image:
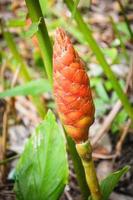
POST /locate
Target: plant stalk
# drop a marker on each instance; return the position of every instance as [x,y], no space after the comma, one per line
[85,152]
[78,167]
[42,35]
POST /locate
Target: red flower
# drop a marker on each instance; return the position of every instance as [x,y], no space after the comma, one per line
[71,89]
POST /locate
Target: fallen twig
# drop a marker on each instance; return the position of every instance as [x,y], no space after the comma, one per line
[69,197]
[107,122]
[102,156]
[122,138]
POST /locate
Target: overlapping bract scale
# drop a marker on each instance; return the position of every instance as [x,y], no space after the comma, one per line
[71,89]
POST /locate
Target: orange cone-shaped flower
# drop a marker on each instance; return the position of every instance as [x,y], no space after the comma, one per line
[71,89]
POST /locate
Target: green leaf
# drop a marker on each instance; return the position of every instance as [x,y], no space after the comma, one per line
[101,106]
[76,2]
[16,22]
[116,42]
[109,183]
[110,53]
[32,29]
[108,85]
[42,171]
[102,92]
[119,121]
[95,81]
[122,27]
[45,6]
[31,88]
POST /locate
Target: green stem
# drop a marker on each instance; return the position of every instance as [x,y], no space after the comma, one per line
[85,30]
[85,152]
[78,167]
[24,72]
[42,35]
[126,19]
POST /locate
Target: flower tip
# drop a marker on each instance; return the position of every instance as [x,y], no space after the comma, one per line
[60,36]
[60,32]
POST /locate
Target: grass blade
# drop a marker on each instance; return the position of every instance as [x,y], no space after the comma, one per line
[31,88]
